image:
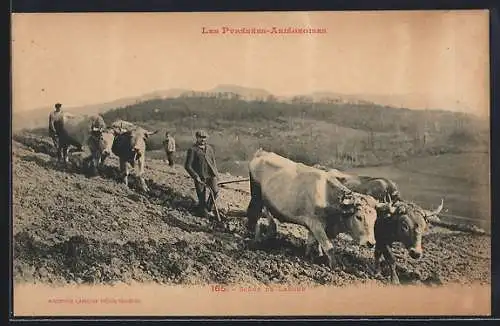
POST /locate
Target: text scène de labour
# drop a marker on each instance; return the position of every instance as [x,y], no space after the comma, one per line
[253,289]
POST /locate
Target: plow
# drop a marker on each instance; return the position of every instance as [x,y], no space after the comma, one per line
[233,181]
[212,198]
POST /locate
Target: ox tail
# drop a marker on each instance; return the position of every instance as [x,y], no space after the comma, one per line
[256,204]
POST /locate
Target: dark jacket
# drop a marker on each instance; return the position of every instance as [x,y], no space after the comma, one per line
[201,162]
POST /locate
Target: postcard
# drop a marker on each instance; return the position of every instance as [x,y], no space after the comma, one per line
[251,164]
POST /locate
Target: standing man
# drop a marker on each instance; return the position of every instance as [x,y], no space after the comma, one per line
[52,117]
[169,145]
[201,166]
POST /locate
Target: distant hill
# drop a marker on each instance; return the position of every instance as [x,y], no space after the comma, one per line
[356,115]
[38,117]
[411,101]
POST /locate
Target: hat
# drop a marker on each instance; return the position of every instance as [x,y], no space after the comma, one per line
[201,134]
[58,105]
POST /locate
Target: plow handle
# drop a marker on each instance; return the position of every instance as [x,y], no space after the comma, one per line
[233,181]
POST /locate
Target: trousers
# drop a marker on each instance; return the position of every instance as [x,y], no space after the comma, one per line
[170,158]
[201,192]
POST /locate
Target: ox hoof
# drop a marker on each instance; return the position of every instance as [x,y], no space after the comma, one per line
[308,255]
[332,264]
[376,269]
[396,282]
[272,231]
[249,235]
[377,272]
[332,260]
[314,257]
[144,187]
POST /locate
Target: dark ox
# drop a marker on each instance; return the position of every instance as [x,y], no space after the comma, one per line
[399,221]
[403,222]
[382,189]
[75,131]
[130,147]
[306,196]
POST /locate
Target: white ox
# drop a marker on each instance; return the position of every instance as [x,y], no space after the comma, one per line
[299,194]
[75,130]
[130,147]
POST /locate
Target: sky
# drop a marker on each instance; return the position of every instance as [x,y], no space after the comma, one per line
[439,58]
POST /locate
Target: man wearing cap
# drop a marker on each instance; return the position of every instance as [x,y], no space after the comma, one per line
[52,117]
[169,145]
[201,166]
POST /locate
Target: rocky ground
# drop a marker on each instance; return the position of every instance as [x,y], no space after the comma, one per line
[68,228]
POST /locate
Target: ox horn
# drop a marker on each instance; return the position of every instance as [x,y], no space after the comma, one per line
[149,133]
[436,211]
[348,198]
[392,209]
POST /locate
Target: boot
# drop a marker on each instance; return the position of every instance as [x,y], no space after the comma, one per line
[201,211]
[204,212]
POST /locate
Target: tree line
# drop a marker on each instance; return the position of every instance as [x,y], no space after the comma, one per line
[364,116]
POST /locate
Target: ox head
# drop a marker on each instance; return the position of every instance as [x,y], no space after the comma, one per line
[105,142]
[396,195]
[408,223]
[359,215]
[393,193]
[138,139]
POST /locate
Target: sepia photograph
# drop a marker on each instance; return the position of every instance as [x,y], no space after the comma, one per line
[319,163]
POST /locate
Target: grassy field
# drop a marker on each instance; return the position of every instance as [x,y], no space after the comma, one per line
[308,141]
[462,180]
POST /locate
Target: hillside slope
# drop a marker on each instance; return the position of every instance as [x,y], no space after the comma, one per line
[68,228]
